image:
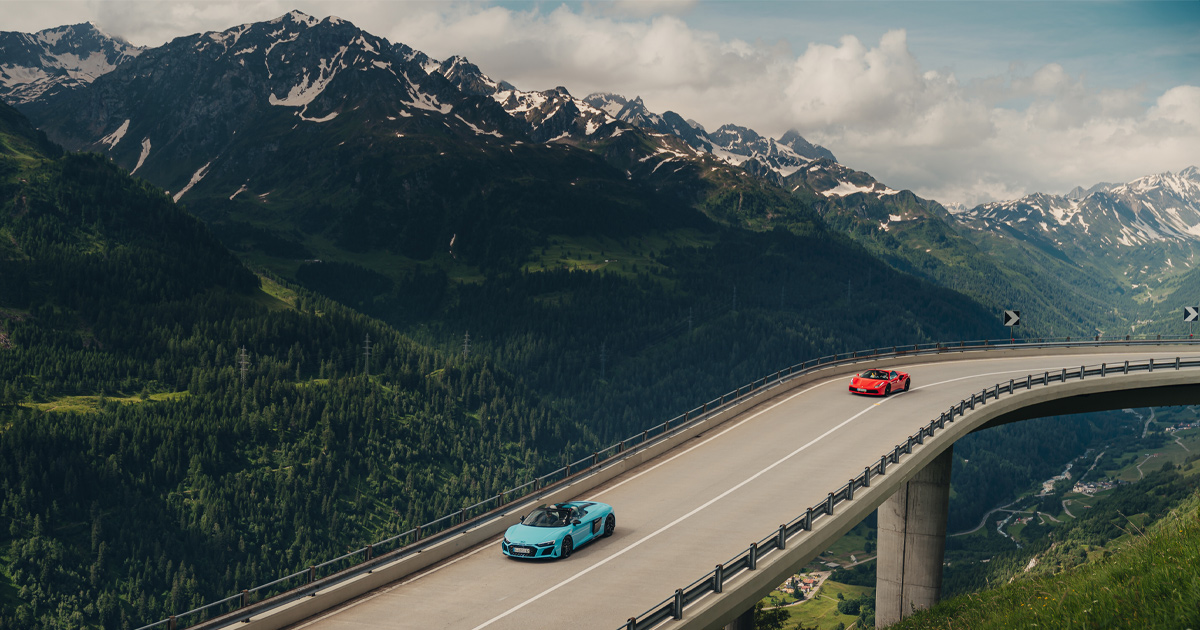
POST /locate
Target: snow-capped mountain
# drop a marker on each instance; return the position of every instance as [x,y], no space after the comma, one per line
[176,113]
[739,146]
[555,114]
[1146,229]
[1163,207]
[31,64]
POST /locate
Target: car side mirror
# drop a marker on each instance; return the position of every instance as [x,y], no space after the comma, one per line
[574,521]
[523,518]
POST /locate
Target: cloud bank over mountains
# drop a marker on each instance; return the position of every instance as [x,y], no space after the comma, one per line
[875,104]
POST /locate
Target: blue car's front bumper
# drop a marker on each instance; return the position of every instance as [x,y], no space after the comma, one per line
[517,550]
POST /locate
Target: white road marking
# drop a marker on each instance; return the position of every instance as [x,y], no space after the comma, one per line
[708,440]
[685,516]
[386,590]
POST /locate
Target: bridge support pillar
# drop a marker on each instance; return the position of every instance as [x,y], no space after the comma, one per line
[745,621]
[912,542]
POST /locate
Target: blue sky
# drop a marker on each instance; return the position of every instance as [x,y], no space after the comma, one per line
[963,102]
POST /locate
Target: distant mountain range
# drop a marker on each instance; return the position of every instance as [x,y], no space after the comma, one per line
[1146,230]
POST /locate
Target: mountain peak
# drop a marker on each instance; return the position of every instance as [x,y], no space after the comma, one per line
[53,59]
[299,17]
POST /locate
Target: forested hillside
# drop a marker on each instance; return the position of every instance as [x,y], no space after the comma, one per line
[144,472]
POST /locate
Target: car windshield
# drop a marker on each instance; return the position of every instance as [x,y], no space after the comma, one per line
[547,517]
[875,374]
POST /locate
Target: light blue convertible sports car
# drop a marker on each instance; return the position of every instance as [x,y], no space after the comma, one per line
[554,531]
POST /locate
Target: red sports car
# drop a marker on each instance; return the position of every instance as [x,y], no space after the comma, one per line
[879,382]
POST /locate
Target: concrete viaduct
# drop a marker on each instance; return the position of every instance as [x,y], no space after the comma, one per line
[749,474]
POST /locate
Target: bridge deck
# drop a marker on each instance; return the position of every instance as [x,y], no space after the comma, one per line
[694,507]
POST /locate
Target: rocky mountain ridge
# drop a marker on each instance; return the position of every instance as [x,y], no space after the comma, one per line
[32,65]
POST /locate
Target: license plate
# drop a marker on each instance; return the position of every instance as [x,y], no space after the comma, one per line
[860,389]
[523,551]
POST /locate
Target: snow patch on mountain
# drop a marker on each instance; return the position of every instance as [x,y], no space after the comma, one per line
[846,188]
[196,177]
[142,158]
[113,138]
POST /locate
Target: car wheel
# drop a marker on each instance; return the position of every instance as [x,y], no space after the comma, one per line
[907,383]
[567,547]
[610,524]
[887,391]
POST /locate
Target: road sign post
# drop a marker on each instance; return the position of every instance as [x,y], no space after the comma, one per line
[1012,318]
[1191,314]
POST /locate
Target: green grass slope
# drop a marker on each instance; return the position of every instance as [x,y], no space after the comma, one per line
[1146,579]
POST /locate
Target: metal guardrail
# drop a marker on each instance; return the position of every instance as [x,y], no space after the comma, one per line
[672,608]
[271,595]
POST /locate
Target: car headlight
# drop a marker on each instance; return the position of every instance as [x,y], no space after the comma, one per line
[546,544]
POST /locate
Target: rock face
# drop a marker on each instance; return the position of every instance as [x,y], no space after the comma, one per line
[34,66]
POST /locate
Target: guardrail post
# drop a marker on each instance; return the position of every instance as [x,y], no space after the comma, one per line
[1176,363]
[850,491]
[983,397]
[1103,368]
[808,520]
[1126,337]
[829,504]
[921,435]
[631,624]
[1152,363]
[645,436]
[1126,367]
[421,526]
[370,551]
[718,578]
[171,623]
[753,557]
[866,477]
[595,458]
[1064,376]
[1012,384]
[1082,372]
[312,573]
[677,608]
[245,598]
[883,464]
[782,542]
[705,408]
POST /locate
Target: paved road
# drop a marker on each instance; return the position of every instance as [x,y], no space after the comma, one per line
[695,506]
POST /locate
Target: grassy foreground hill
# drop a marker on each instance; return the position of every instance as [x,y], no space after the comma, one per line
[1147,576]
